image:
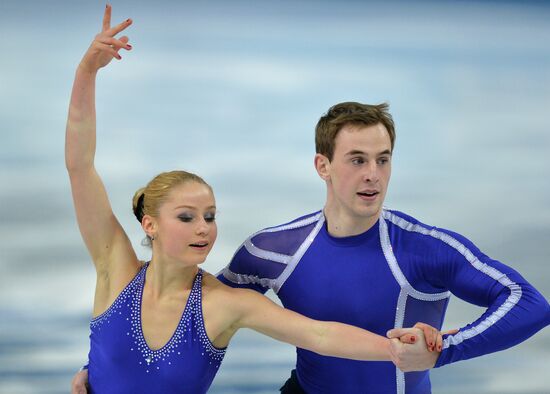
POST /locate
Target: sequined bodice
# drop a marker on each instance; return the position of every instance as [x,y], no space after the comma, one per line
[120,361]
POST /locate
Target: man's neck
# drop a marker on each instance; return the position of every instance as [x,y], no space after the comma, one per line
[342,225]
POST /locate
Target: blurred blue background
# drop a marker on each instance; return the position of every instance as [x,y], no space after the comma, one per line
[232,90]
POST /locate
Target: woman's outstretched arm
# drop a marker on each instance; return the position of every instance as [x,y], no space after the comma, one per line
[257,312]
[101,232]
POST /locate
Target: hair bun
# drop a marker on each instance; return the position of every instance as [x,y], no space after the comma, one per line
[137,204]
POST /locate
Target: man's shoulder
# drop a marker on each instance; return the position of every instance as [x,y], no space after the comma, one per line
[409,226]
[407,222]
[394,215]
[286,238]
[264,256]
[299,222]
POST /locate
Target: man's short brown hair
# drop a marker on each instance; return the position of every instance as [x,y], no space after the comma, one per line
[350,113]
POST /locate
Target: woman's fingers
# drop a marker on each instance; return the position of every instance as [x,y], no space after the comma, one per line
[408,338]
[396,332]
[111,45]
[124,40]
[440,338]
[113,31]
[410,334]
[117,44]
[431,337]
[430,334]
[439,342]
[107,18]
[105,46]
[102,47]
[434,338]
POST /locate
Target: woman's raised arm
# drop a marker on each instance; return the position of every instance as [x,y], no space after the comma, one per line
[104,237]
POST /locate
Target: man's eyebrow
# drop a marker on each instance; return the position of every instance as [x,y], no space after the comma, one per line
[360,152]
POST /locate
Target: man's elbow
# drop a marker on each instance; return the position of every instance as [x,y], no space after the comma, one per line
[543,312]
[537,312]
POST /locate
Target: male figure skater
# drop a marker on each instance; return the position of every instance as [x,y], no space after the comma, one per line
[359,263]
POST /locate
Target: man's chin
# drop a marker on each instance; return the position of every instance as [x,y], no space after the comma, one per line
[368,212]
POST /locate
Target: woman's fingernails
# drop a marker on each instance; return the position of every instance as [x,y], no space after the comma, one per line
[128,46]
[413,339]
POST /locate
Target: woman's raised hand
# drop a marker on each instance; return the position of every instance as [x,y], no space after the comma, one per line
[105,46]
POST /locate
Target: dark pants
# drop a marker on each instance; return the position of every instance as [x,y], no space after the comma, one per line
[292,386]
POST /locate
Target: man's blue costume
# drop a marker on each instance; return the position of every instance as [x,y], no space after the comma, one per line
[397,273]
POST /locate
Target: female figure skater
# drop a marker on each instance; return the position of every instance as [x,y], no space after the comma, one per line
[163,326]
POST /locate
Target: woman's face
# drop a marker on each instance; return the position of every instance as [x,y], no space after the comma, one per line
[186,224]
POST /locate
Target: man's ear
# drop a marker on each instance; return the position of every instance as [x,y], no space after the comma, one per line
[322,165]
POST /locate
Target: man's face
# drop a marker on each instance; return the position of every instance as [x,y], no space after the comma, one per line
[359,173]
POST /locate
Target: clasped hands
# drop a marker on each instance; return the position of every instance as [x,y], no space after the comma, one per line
[417,348]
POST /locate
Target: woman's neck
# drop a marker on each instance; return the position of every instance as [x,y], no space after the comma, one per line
[167,277]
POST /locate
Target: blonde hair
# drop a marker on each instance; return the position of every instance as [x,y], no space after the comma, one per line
[148,199]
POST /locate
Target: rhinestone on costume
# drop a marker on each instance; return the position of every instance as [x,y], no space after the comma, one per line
[188,342]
